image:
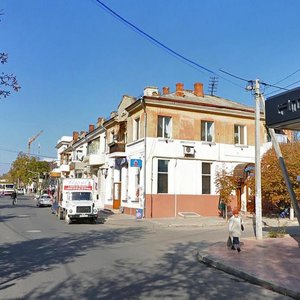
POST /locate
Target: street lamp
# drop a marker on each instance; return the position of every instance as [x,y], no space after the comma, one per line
[104,171]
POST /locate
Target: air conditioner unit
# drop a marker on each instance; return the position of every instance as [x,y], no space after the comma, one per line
[188,150]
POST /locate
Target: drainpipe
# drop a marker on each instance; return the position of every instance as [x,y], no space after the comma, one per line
[145,148]
[175,190]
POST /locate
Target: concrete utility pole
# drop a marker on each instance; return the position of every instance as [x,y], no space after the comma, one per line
[258,213]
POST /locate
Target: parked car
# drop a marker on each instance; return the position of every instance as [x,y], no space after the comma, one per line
[44,200]
[21,191]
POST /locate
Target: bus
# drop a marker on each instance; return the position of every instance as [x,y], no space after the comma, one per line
[6,188]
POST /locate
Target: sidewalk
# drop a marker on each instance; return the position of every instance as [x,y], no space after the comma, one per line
[271,262]
[192,221]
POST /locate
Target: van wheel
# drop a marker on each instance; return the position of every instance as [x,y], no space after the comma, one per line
[67,219]
[93,221]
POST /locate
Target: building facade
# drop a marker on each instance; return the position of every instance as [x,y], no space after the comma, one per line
[160,153]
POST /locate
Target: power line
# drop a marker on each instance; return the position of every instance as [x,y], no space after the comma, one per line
[237,77]
[113,13]
[36,155]
[293,83]
[160,44]
[284,88]
[180,56]
[288,76]
[271,85]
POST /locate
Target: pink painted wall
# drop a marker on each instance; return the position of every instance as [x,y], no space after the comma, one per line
[163,205]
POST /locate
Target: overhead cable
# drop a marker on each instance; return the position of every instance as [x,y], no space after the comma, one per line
[151,38]
[37,155]
[160,44]
[237,77]
[177,54]
[287,76]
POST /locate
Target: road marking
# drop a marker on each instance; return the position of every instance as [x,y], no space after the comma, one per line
[23,216]
[33,231]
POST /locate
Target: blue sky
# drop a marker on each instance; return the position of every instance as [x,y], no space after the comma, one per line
[75,61]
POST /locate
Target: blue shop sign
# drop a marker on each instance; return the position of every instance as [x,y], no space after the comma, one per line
[136,163]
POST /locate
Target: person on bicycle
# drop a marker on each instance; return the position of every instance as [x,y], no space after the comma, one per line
[14,197]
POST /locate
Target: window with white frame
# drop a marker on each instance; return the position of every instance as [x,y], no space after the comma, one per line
[240,134]
[206,178]
[162,176]
[136,129]
[207,131]
[164,127]
[93,147]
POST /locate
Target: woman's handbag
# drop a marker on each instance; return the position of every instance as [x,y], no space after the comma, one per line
[242,227]
[229,242]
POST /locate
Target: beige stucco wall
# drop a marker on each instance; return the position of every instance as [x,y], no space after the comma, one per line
[186,125]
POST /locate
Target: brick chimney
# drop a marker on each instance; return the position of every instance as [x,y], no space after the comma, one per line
[75,136]
[166,90]
[179,89]
[198,89]
[91,127]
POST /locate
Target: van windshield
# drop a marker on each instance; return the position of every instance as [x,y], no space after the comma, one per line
[78,196]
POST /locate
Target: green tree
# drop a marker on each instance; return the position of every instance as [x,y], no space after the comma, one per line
[274,191]
[25,170]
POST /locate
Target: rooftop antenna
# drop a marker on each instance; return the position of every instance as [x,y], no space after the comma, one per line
[212,86]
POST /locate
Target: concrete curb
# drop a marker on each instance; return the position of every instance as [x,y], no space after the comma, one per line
[215,263]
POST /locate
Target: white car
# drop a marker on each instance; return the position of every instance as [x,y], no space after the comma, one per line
[21,191]
[44,200]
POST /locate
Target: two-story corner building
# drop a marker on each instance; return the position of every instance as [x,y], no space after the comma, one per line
[168,148]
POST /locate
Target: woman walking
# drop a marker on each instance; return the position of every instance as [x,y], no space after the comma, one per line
[235,227]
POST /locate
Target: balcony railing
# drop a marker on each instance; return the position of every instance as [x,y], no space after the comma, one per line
[116,147]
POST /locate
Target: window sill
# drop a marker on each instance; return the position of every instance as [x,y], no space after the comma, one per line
[240,146]
[208,143]
[166,140]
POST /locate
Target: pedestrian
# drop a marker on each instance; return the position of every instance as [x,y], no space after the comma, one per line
[235,227]
[222,208]
[14,197]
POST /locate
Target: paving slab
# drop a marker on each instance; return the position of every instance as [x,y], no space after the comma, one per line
[273,263]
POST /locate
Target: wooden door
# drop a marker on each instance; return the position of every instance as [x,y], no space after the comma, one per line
[117,195]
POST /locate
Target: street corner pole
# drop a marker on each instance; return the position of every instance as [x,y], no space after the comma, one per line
[258,214]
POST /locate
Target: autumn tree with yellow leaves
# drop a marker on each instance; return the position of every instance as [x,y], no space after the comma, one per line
[274,191]
[226,184]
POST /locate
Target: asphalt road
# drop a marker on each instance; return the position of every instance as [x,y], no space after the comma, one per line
[42,257]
